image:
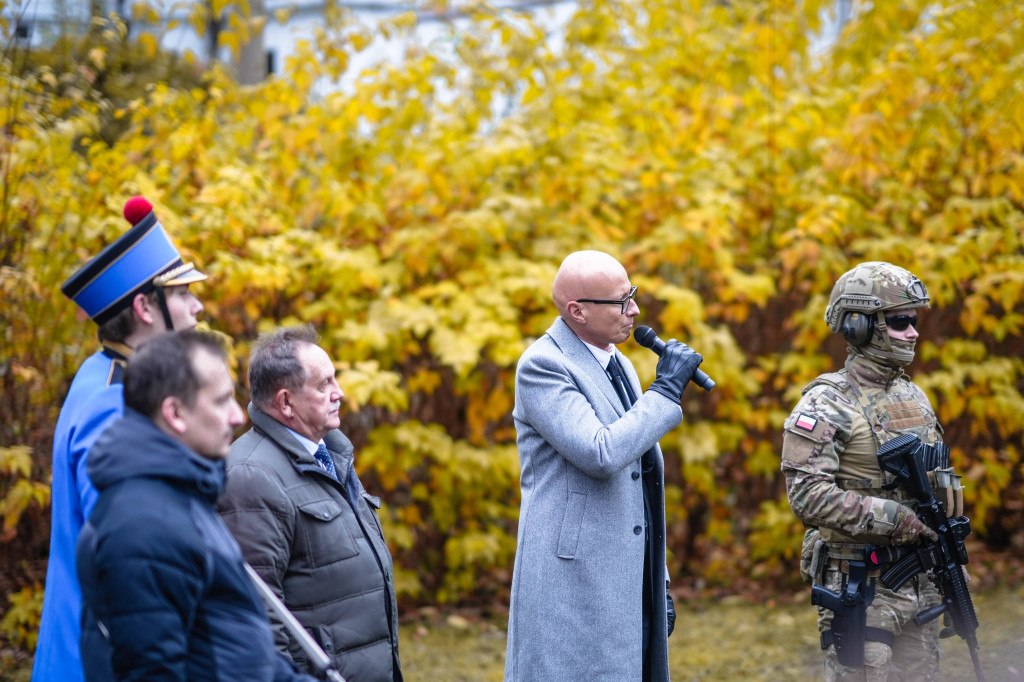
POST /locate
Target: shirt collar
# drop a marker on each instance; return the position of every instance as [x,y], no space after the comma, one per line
[603,356]
[310,446]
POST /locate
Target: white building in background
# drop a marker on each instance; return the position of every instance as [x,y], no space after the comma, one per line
[38,22]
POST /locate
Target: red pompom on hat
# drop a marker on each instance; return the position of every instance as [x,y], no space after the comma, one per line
[137,208]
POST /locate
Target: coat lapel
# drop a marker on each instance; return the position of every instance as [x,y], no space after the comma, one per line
[577,352]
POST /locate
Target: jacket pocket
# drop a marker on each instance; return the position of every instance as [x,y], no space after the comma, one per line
[572,522]
[327,534]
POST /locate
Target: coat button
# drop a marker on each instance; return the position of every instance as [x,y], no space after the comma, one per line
[636,475]
[637,530]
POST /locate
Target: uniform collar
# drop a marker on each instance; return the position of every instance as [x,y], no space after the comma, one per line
[118,354]
[869,374]
[117,351]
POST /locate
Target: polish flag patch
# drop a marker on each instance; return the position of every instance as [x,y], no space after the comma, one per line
[805,422]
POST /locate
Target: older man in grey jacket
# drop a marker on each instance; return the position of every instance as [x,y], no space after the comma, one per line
[589,587]
[305,523]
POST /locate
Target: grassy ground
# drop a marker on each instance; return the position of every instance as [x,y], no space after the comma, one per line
[713,642]
[726,641]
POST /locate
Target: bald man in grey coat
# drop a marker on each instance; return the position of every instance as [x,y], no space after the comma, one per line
[589,586]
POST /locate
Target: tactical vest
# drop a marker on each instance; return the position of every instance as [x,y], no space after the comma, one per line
[886,414]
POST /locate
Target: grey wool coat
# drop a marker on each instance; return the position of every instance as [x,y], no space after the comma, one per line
[318,544]
[575,612]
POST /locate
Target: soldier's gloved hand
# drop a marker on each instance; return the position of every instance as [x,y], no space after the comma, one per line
[908,528]
[677,364]
[671,611]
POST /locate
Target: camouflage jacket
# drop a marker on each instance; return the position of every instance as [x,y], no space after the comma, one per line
[830,443]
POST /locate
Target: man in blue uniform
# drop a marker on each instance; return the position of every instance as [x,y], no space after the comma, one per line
[135,288]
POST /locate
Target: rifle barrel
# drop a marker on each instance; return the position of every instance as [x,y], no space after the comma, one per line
[979,674]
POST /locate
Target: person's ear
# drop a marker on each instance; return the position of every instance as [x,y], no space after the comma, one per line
[144,309]
[283,403]
[171,410]
[575,311]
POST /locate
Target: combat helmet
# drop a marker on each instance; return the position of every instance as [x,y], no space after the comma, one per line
[861,298]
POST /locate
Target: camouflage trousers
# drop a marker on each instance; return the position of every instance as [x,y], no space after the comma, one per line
[915,653]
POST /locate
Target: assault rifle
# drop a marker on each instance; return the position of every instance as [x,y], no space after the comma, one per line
[905,457]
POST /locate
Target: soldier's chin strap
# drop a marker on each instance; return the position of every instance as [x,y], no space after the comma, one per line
[885,350]
[162,299]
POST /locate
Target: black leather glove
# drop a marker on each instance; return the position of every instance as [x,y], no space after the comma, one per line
[676,366]
[671,611]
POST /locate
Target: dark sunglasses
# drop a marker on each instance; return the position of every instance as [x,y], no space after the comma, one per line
[900,323]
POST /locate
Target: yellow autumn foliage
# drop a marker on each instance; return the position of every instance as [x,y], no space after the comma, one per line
[417,218]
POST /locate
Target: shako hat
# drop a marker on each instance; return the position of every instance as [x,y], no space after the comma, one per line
[140,260]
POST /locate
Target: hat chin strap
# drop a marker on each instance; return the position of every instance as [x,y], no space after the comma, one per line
[162,299]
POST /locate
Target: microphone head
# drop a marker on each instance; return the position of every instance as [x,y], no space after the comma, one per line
[645,336]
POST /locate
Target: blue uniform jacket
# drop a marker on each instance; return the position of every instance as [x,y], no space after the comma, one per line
[93,402]
[164,589]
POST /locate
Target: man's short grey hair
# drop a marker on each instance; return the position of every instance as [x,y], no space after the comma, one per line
[274,363]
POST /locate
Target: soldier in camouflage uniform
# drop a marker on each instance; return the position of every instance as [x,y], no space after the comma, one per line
[833,478]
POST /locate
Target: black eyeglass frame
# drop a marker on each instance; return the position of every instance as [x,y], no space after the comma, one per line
[901,322]
[624,302]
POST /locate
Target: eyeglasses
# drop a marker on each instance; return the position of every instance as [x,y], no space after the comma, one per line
[624,302]
[900,323]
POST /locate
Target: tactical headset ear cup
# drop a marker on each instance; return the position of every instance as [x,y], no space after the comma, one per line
[857,328]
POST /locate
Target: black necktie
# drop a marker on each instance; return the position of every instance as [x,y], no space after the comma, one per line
[618,379]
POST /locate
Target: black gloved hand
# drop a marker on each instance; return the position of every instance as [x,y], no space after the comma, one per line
[671,611]
[676,366]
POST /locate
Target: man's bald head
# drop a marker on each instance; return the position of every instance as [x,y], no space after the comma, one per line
[594,275]
[584,274]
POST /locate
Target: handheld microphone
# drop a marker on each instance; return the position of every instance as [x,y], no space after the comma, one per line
[647,338]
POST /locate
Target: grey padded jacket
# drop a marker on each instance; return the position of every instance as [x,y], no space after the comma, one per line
[318,544]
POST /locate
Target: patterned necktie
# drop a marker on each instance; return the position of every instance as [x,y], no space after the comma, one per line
[325,461]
